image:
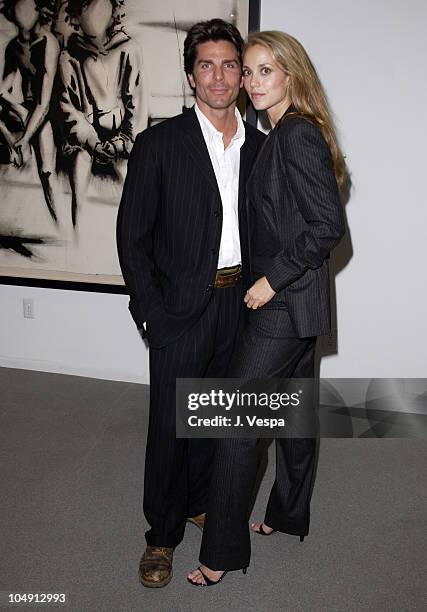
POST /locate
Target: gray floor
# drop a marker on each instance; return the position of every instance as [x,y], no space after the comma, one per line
[72,456]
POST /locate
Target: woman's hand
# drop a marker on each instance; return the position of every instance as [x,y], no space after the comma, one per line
[259,294]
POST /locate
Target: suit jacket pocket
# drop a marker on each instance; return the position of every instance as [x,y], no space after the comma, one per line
[277,302]
[272,322]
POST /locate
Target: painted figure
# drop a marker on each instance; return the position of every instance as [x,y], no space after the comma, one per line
[100,92]
[31,60]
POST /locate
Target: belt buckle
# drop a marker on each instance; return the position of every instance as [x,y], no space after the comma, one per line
[230,279]
[233,270]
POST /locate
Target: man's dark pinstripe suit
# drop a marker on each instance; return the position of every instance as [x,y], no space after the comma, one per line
[168,236]
[296,219]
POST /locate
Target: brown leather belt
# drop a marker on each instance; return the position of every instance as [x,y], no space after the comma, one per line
[228,277]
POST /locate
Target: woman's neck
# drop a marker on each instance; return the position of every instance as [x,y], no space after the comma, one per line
[276,112]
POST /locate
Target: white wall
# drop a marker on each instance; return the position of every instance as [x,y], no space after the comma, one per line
[87,334]
[370,56]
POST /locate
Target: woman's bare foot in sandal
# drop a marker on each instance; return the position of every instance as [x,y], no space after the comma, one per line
[262,528]
[196,577]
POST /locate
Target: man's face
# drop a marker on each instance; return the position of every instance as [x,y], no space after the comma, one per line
[217,75]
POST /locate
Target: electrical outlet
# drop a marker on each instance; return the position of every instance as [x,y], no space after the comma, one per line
[28,305]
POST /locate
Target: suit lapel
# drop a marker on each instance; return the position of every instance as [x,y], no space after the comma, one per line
[263,155]
[195,144]
[247,156]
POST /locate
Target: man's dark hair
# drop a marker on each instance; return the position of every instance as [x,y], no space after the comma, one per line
[204,31]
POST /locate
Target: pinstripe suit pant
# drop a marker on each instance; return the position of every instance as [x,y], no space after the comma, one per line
[177,471]
[226,537]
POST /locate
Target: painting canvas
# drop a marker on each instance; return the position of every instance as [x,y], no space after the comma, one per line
[80,78]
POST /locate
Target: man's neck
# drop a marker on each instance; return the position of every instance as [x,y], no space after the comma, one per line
[223,119]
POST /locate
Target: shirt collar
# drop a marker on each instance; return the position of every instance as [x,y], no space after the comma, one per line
[212,134]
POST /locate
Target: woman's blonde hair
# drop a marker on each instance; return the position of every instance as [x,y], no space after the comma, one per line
[305,89]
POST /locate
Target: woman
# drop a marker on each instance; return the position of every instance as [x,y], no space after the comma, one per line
[296,219]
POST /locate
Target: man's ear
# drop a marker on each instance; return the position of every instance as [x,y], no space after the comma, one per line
[191,81]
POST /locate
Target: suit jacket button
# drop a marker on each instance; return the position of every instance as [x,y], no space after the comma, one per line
[209,287]
[213,251]
[216,213]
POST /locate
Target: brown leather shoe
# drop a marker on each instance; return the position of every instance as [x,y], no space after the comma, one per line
[198,520]
[155,568]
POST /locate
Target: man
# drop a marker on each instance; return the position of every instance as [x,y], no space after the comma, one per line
[182,241]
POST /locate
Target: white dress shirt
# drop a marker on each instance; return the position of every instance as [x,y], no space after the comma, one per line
[226,165]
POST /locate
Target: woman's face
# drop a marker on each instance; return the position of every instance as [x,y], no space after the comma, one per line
[264,80]
[26,14]
[96,17]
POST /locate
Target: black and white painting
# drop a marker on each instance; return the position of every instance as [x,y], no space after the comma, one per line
[80,78]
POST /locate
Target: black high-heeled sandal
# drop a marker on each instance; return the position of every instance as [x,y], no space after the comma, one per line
[208,581]
[264,533]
